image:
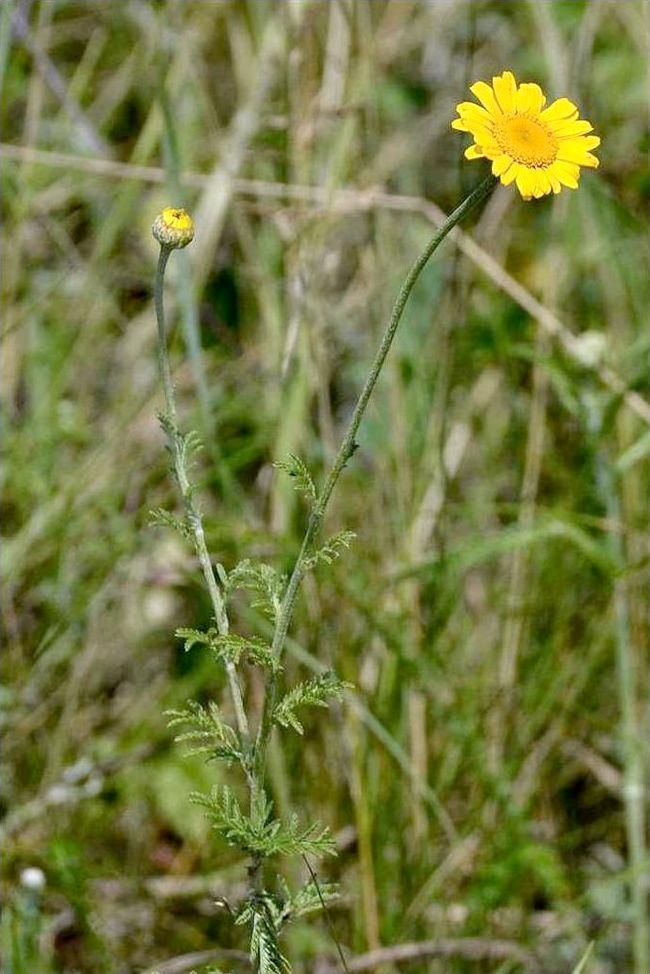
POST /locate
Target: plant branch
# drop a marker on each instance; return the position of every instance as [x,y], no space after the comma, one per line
[194,519]
[346,449]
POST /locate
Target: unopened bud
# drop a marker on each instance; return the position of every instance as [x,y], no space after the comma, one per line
[173,228]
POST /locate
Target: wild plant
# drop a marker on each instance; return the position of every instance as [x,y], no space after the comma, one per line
[539,151]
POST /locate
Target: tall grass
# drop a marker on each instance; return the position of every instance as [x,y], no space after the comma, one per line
[455,829]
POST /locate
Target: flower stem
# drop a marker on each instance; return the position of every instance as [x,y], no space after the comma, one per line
[194,519]
[345,451]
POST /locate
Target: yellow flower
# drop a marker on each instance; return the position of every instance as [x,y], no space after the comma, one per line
[540,149]
[173,228]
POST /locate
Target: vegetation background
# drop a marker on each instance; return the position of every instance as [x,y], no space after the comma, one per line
[485,780]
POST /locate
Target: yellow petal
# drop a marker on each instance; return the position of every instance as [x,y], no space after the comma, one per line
[584,142]
[473,152]
[560,108]
[536,184]
[565,127]
[501,164]
[577,149]
[505,89]
[491,150]
[459,124]
[510,174]
[569,153]
[590,142]
[556,185]
[531,183]
[525,180]
[480,132]
[486,96]
[471,108]
[566,173]
[530,99]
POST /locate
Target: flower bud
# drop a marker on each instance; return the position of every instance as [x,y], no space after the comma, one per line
[173,228]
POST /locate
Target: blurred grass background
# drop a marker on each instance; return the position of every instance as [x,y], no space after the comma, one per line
[486,780]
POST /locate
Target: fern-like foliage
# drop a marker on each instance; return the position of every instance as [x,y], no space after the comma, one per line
[261,579]
[230,647]
[185,444]
[267,914]
[260,834]
[292,840]
[160,518]
[191,444]
[168,426]
[308,899]
[208,733]
[262,913]
[302,479]
[234,647]
[229,820]
[311,693]
[196,637]
[330,551]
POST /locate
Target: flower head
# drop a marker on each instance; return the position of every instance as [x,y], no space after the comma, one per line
[540,149]
[174,227]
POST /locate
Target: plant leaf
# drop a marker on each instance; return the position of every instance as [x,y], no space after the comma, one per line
[297,470]
[260,833]
[261,579]
[208,732]
[234,646]
[196,637]
[315,693]
[160,518]
[307,899]
[330,551]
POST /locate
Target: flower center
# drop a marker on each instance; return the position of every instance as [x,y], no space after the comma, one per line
[176,218]
[526,140]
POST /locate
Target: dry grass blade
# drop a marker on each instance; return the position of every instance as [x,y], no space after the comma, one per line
[467,948]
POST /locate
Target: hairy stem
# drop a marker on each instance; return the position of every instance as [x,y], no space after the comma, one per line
[345,451]
[194,518]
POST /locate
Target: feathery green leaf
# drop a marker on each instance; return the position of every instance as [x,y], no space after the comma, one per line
[330,551]
[196,637]
[263,914]
[234,646]
[306,899]
[297,470]
[261,579]
[260,833]
[160,518]
[209,733]
[311,693]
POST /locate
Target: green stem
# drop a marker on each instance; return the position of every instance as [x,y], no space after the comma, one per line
[346,449]
[194,518]
[631,728]
[634,789]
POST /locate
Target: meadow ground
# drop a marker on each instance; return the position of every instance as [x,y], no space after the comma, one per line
[486,777]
